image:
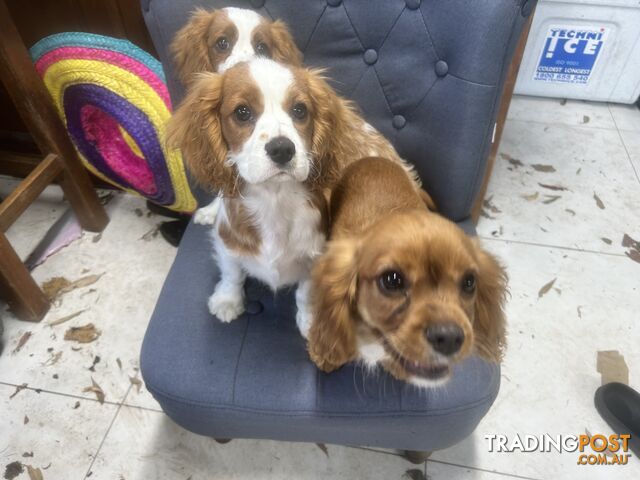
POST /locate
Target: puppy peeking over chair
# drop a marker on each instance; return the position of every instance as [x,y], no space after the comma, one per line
[400,286]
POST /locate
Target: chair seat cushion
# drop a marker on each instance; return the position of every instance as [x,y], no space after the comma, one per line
[252,378]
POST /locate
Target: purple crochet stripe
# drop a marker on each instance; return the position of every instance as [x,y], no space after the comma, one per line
[133,120]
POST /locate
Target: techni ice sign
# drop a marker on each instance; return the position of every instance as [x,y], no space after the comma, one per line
[569,54]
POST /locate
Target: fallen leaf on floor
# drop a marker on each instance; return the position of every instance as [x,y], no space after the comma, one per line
[585,119]
[633,255]
[26,420]
[550,199]
[151,234]
[19,388]
[76,406]
[323,447]
[53,359]
[119,363]
[629,242]
[414,474]
[579,310]
[66,318]
[531,198]
[95,388]
[563,102]
[557,188]
[513,161]
[538,167]
[27,455]
[572,212]
[96,360]
[545,288]
[58,286]
[34,473]
[598,201]
[97,238]
[23,339]
[84,334]
[487,203]
[483,213]
[12,470]
[611,366]
[136,382]
[606,240]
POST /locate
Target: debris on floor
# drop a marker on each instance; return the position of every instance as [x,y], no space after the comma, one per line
[612,367]
[94,388]
[84,334]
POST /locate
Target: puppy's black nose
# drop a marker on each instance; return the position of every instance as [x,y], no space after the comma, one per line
[445,338]
[280,150]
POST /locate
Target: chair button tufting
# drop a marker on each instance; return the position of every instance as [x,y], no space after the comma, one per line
[441,68]
[412,4]
[254,307]
[257,3]
[334,3]
[370,56]
[398,121]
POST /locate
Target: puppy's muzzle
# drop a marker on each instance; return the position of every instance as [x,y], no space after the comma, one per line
[445,338]
[280,150]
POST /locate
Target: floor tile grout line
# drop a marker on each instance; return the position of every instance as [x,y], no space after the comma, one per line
[504,474]
[61,394]
[553,124]
[113,420]
[624,145]
[559,247]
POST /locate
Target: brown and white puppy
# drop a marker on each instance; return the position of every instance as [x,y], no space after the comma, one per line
[400,286]
[271,138]
[215,40]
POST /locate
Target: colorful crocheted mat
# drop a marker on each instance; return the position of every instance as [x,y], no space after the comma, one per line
[114,101]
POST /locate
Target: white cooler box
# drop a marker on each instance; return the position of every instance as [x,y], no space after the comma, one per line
[583,49]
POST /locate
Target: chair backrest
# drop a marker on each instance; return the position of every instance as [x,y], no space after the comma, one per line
[427,73]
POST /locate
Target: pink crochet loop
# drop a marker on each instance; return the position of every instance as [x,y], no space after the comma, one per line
[103,132]
[108,56]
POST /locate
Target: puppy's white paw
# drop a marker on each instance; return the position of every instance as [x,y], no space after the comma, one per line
[303,320]
[225,306]
[207,215]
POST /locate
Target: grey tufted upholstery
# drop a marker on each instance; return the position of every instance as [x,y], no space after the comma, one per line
[428,74]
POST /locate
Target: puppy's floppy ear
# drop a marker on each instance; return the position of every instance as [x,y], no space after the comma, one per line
[329,114]
[489,325]
[332,337]
[190,47]
[284,48]
[195,128]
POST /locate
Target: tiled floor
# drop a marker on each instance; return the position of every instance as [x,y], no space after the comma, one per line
[589,154]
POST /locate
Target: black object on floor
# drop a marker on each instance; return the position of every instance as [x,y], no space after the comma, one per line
[173,231]
[165,212]
[619,405]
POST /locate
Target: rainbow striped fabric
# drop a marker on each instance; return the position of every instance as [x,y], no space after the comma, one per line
[113,99]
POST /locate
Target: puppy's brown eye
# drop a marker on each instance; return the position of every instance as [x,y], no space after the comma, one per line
[391,281]
[299,111]
[468,284]
[243,113]
[263,50]
[222,44]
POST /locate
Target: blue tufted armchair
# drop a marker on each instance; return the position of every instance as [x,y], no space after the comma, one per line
[429,75]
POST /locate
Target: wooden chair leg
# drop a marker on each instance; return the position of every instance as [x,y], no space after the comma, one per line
[23,294]
[39,114]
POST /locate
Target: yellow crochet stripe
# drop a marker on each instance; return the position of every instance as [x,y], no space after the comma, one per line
[122,82]
[131,143]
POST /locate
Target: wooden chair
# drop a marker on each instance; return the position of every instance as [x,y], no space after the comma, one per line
[61,164]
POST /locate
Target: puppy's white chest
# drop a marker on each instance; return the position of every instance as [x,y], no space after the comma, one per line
[289,228]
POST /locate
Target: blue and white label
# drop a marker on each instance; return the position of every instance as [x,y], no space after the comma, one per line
[570,54]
